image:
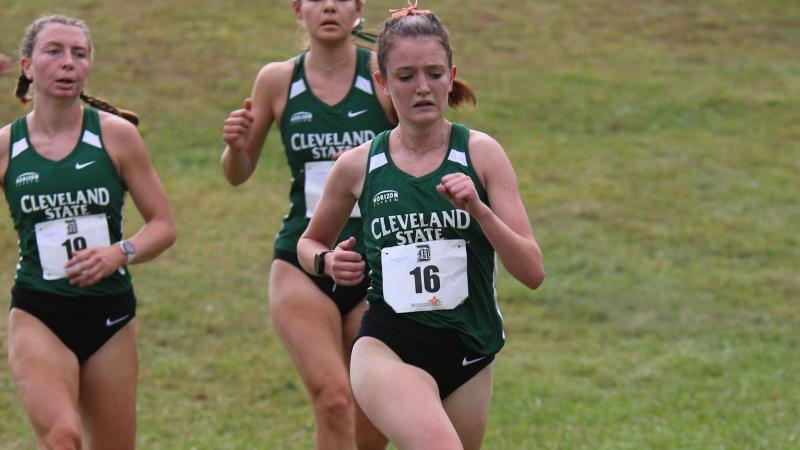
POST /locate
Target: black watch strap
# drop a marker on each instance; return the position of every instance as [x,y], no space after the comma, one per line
[319,262]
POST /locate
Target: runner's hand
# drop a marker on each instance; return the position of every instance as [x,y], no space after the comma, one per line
[89,266]
[236,129]
[347,266]
[5,65]
[459,189]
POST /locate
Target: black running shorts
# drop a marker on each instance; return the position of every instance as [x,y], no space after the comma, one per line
[83,324]
[439,352]
[345,297]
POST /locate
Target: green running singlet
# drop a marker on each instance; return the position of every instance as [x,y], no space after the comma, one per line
[400,210]
[312,132]
[59,207]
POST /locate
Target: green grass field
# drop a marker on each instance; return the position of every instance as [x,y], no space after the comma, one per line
[657,145]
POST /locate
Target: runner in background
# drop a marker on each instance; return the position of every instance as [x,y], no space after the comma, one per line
[324,102]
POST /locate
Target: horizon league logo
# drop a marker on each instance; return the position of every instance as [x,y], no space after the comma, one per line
[27,178]
[384,197]
[301,116]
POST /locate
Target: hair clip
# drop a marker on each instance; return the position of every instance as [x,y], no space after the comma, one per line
[410,10]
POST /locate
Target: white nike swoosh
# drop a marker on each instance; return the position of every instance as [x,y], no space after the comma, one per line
[111,323]
[79,166]
[352,114]
[467,362]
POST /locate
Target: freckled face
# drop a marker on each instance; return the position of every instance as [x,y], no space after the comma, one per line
[418,78]
[61,61]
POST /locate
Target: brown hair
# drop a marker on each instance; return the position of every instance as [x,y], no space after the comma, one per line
[26,51]
[415,23]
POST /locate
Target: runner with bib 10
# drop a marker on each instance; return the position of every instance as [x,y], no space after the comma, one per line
[66,168]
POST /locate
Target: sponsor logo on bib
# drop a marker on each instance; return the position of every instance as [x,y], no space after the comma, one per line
[72,226]
[27,178]
[431,303]
[423,253]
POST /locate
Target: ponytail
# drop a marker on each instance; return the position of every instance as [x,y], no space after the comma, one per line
[103,105]
[359,32]
[23,84]
[462,92]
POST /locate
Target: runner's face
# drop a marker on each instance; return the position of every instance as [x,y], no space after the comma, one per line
[328,20]
[418,78]
[61,61]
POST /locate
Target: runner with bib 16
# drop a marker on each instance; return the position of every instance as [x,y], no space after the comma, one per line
[438,202]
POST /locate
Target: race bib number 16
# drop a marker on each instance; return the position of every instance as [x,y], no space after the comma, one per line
[59,239]
[425,276]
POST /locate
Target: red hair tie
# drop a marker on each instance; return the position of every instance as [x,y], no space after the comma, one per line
[410,10]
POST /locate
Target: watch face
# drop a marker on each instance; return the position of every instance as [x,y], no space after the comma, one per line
[128,247]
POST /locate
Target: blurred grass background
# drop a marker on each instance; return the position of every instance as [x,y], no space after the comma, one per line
[657,148]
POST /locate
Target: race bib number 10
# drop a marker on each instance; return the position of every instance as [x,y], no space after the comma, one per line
[425,276]
[59,239]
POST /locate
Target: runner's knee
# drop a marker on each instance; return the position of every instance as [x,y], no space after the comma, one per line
[334,402]
[62,437]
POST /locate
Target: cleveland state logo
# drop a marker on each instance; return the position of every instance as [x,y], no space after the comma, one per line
[384,197]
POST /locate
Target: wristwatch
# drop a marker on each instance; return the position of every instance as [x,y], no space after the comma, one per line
[319,262]
[128,249]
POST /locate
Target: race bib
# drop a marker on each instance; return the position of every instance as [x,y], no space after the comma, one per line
[59,239]
[316,174]
[425,276]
